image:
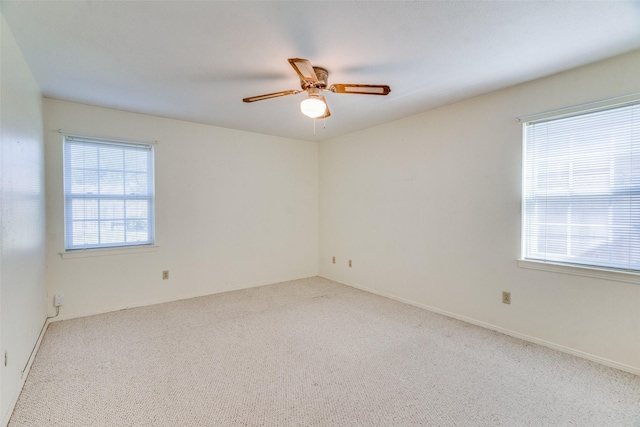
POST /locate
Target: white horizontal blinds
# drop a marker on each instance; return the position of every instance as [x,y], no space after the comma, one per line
[109,198]
[582,189]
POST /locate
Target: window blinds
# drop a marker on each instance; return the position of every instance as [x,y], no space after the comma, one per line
[582,189]
[109,193]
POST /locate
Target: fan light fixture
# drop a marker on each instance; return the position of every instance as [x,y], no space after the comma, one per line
[313,80]
[313,107]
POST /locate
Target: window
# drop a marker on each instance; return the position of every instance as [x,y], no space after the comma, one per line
[108,190]
[582,189]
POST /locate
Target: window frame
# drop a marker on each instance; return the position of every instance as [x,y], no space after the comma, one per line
[598,271]
[71,250]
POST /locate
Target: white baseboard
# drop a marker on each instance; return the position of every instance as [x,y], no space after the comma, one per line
[111,309]
[23,376]
[568,350]
[146,303]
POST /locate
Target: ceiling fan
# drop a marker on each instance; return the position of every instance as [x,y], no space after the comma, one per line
[313,80]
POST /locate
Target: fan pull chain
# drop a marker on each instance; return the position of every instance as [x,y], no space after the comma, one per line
[324,124]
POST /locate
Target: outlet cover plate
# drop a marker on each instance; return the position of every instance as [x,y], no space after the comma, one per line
[58,300]
[506,297]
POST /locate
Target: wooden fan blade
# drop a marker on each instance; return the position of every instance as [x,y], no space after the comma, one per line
[304,69]
[361,89]
[327,113]
[271,95]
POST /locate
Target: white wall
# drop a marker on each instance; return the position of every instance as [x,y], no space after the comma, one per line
[22,218]
[428,209]
[233,210]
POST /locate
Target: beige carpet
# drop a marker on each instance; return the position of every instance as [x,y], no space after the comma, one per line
[309,353]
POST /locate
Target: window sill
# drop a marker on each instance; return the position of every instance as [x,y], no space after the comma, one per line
[123,250]
[598,273]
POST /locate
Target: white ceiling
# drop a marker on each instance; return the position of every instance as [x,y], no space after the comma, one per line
[195,61]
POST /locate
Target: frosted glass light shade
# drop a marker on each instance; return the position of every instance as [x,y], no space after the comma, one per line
[313,107]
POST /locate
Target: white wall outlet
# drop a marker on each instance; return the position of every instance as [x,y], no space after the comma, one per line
[350,264]
[506,297]
[165,275]
[58,300]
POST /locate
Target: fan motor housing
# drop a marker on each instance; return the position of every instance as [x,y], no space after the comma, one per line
[322,74]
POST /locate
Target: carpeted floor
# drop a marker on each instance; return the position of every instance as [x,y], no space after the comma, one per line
[309,353]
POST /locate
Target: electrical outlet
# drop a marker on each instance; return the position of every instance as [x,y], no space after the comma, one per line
[58,300]
[6,358]
[506,297]
[350,265]
[333,260]
[165,275]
